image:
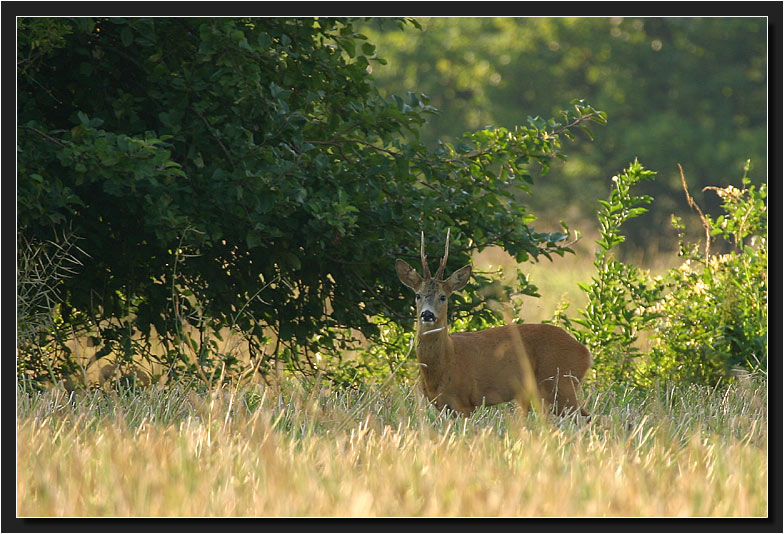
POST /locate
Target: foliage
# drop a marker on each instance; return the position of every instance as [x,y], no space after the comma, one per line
[245,173]
[620,296]
[387,356]
[714,322]
[678,89]
[707,318]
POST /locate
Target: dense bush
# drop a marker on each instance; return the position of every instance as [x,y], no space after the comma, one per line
[706,320]
[714,321]
[246,174]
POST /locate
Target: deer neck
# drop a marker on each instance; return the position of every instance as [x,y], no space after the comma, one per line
[434,347]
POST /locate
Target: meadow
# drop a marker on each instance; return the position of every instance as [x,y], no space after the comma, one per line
[298,448]
[305,451]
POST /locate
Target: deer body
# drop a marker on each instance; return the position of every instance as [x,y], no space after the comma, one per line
[527,363]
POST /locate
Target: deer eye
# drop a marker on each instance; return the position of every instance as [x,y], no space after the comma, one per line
[443,298]
[418,296]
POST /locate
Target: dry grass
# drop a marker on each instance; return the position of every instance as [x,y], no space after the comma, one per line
[250,452]
[254,452]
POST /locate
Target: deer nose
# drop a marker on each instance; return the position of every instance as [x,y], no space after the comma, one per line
[427,317]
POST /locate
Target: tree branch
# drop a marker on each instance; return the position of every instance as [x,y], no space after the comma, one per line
[577,121]
[212,132]
[44,135]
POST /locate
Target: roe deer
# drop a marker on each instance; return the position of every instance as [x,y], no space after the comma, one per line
[527,363]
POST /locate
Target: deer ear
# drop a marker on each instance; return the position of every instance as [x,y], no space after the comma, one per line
[459,279]
[408,275]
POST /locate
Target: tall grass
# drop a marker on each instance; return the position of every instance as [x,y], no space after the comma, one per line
[309,451]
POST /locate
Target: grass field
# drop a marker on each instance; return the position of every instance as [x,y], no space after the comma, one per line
[252,451]
[290,451]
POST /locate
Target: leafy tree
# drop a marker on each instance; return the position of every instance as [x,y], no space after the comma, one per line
[246,173]
[688,90]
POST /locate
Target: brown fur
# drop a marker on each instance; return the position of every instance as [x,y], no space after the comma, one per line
[528,363]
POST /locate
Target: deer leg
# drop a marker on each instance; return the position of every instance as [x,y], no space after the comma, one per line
[566,398]
[547,392]
[453,404]
[525,404]
[559,393]
[460,407]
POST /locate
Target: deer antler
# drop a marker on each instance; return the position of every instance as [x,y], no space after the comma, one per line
[440,271]
[425,270]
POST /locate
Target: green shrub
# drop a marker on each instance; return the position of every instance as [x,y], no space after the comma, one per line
[620,296]
[707,318]
[714,321]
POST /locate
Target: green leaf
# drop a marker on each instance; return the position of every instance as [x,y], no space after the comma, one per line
[126,36]
[252,239]
[264,40]
[292,260]
[349,47]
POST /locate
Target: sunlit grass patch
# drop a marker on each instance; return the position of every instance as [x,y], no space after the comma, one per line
[683,451]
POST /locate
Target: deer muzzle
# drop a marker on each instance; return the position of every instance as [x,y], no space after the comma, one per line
[427,317]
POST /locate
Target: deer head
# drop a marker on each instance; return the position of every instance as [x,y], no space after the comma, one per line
[432,293]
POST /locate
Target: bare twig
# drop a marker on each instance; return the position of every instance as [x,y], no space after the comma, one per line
[49,92]
[694,205]
[44,135]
